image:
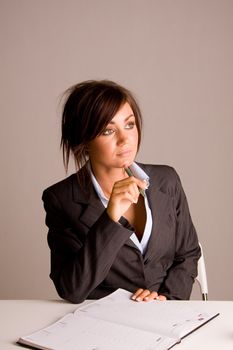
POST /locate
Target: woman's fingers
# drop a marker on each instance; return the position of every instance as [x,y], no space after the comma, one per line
[147,295]
[144,295]
[129,180]
[137,293]
[127,188]
[124,193]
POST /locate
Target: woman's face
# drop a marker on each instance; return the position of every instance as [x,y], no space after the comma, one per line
[117,146]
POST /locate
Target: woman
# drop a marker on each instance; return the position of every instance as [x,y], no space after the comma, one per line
[108,226]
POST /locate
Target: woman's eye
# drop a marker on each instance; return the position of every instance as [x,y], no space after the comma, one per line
[110,131]
[130,125]
[107,132]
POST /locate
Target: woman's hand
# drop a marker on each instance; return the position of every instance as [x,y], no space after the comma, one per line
[147,295]
[124,193]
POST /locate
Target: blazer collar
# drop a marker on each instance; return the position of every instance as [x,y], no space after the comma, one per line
[82,193]
[92,205]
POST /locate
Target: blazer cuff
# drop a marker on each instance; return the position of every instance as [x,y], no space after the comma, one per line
[124,222]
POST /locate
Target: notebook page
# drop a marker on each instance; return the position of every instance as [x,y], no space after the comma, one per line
[82,332]
[172,319]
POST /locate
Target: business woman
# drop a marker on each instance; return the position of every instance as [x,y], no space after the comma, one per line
[116,223]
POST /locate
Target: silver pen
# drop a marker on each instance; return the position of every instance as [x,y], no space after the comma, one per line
[129,172]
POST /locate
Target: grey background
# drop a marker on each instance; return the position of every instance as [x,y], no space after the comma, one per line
[175,55]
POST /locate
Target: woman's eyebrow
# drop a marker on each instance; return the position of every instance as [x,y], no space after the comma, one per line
[131,115]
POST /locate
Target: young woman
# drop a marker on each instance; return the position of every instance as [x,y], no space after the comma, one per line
[116,223]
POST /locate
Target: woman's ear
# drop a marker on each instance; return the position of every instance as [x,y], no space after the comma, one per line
[86,150]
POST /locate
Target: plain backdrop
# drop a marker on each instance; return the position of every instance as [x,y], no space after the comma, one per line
[177,58]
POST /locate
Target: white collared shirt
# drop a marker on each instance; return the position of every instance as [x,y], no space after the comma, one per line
[139,173]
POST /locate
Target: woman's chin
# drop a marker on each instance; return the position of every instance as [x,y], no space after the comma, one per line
[126,163]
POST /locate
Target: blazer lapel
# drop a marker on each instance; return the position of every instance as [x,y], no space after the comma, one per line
[160,204]
[92,205]
[131,244]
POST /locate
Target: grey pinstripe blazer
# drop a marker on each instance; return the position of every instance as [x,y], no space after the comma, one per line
[91,255]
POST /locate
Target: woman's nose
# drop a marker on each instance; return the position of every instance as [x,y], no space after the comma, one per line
[122,137]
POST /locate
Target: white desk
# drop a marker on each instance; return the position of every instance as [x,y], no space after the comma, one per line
[22,317]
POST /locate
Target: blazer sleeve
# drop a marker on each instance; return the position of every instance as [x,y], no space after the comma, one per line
[181,275]
[80,261]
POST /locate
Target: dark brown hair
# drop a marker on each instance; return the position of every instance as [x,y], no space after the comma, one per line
[89,107]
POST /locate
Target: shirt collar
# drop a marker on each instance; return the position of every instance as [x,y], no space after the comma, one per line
[139,173]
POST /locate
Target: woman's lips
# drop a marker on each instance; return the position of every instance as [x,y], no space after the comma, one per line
[124,153]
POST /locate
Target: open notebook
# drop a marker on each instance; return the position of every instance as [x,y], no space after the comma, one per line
[116,322]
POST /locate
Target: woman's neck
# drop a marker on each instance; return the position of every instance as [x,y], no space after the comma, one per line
[107,177]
